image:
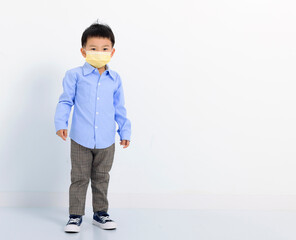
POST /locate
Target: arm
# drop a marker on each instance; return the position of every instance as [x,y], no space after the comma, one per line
[124,124]
[66,101]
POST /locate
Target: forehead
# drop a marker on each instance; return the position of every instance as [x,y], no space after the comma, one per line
[98,41]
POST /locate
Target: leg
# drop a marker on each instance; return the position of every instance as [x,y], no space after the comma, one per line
[81,160]
[102,163]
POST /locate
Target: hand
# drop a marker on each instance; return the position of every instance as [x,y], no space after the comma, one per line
[125,143]
[62,133]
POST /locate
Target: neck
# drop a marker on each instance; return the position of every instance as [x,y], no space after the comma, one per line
[102,69]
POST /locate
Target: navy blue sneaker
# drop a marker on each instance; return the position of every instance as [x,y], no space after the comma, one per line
[101,219]
[74,223]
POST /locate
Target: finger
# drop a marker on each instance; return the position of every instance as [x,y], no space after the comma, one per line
[64,134]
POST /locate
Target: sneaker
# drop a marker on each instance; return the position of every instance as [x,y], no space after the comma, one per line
[101,219]
[74,223]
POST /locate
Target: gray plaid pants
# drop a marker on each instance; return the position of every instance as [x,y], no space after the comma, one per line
[93,164]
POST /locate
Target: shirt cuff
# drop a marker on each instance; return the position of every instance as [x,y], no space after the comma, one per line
[60,126]
[125,136]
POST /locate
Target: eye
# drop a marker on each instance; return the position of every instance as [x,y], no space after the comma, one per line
[93,49]
[105,48]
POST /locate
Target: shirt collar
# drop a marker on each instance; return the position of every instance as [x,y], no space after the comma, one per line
[87,69]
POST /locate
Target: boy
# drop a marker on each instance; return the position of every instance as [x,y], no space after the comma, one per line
[96,92]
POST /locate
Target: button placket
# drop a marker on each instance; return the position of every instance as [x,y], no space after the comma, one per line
[97,99]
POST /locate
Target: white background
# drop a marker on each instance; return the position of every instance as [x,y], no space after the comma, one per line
[209,89]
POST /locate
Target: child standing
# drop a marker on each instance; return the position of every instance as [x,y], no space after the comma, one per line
[96,91]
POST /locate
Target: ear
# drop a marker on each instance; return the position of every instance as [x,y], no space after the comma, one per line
[113,51]
[82,50]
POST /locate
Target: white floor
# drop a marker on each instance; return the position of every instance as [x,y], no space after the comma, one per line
[144,224]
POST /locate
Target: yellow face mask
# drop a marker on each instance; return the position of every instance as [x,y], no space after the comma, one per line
[98,59]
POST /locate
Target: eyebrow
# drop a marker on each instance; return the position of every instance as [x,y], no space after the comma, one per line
[95,45]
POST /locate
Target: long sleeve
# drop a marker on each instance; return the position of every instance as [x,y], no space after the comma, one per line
[124,124]
[66,101]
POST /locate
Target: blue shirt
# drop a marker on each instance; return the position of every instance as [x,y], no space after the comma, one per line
[98,102]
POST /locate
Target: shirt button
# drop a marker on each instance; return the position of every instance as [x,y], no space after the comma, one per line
[96,126]
[98,98]
[97,112]
[99,83]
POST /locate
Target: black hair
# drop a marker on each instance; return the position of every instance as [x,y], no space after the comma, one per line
[97,30]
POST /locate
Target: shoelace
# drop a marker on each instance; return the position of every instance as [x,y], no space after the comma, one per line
[105,218]
[74,220]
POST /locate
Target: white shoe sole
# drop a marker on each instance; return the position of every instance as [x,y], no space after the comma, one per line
[107,225]
[72,228]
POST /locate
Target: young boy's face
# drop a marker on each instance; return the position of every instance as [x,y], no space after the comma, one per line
[98,44]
